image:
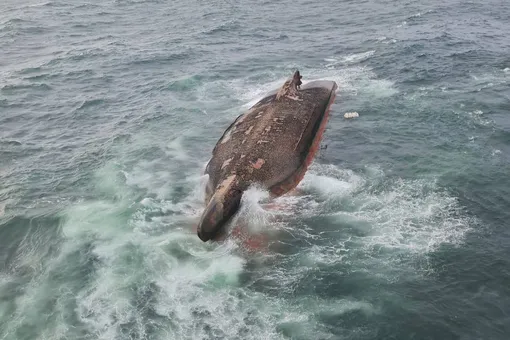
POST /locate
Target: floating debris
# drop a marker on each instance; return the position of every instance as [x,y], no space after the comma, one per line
[351,115]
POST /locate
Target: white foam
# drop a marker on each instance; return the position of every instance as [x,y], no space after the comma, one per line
[380,88]
[386,40]
[495,152]
[203,282]
[5,281]
[150,175]
[401,223]
[478,117]
[350,78]
[143,264]
[326,255]
[327,186]
[93,216]
[343,306]
[488,80]
[419,14]
[350,59]
[333,173]
[252,213]
[40,4]
[411,215]
[355,80]
[255,92]
[175,150]
[106,302]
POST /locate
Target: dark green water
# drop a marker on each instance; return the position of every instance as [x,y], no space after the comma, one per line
[109,111]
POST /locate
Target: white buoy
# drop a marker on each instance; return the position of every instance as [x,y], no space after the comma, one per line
[351,115]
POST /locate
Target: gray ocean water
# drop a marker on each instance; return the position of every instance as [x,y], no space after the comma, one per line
[109,111]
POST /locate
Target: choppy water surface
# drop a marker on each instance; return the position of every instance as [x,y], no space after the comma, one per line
[109,111]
